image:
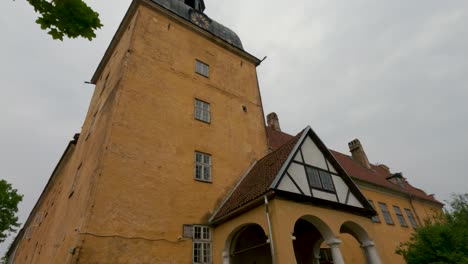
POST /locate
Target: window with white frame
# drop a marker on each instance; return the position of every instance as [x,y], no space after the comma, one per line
[410,216]
[202,167]
[202,111]
[202,68]
[201,245]
[386,213]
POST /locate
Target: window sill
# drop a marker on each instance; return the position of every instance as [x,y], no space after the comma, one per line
[204,181]
[207,77]
[323,190]
[203,121]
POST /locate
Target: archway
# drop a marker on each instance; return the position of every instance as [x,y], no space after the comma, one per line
[363,239]
[248,244]
[309,234]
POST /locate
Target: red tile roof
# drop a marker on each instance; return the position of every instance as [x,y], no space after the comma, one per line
[258,180]
[375,175]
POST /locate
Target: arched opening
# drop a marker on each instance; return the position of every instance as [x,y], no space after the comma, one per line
[370,255]
[309,234]
[249,244]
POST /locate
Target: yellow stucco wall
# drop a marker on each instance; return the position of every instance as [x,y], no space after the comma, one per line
[285,213]
[58,235]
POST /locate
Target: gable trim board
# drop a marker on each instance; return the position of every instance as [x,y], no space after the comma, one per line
[293,185]
[259,201]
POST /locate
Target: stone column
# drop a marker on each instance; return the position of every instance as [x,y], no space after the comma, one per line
[317,251]
[335,250]
[225,257]
[371,252]
[316,259]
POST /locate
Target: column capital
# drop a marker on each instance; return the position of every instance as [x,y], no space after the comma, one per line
[334,242]
[368,243]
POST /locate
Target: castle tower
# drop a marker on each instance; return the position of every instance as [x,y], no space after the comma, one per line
[175,119]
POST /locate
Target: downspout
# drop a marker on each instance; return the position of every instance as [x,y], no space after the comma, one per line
[270,232]
[414,209]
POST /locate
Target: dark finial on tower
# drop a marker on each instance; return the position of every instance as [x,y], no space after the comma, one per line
[196,4]
[273,121]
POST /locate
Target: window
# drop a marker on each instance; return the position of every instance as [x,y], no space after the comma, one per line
[386,213]
[411,219]
[202,166]
[201,245]
[202,68]
[320,180]
[375,218]
[202,111]
[399,215]
[327,182]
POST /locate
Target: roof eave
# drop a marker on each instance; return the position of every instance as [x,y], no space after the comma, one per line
[244,208]
[232,191]
[397,192]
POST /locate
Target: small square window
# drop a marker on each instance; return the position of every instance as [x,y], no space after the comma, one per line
[319,179]
[202,68]
[202,167]
[202,111]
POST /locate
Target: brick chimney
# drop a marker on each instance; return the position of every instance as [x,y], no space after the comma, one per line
[358,153]
[273,121]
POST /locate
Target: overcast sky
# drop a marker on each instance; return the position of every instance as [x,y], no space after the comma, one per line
[392,73]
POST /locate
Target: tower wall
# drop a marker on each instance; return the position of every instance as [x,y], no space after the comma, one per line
[146,190]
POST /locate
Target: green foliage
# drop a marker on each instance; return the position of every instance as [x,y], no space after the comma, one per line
[444,240]
[9,199]
[71,18]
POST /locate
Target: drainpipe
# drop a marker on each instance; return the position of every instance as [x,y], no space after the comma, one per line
[414,209]
[272,245]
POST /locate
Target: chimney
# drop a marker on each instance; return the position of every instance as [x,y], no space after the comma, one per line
[273,121]
[357,151]
[384,167]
